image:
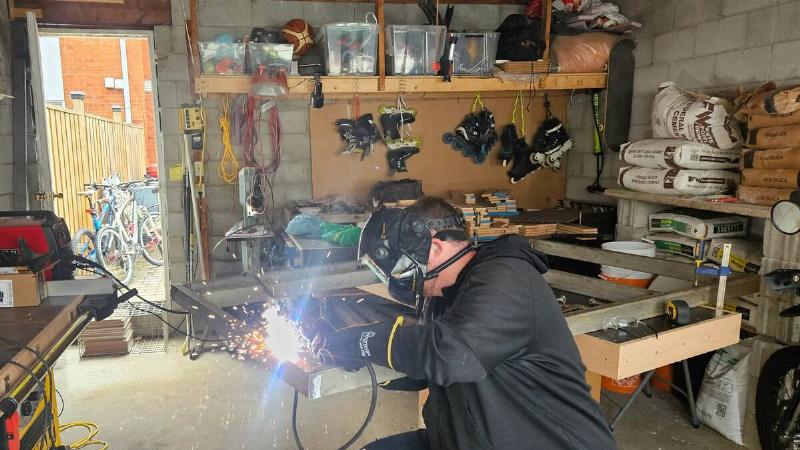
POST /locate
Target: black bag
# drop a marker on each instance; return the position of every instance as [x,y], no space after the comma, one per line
[520,38]
[394,191]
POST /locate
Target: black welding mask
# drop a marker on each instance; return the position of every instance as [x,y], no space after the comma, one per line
[395,244]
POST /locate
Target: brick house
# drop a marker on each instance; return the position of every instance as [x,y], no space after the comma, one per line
[110,71]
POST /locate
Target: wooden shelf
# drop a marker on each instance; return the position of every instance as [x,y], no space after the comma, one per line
[368,86]
[742,209]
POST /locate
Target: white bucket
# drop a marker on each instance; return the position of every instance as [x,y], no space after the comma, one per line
[630,247]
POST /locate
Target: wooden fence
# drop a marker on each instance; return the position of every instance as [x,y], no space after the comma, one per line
[85,148]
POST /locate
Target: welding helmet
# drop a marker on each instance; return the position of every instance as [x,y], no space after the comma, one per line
[395,244]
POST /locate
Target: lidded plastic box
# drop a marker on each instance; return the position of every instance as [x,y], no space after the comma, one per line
[350,48]
[413,49]
[269,55]
[474,53]
[222,58]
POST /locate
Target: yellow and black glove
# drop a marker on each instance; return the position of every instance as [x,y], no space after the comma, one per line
[351,347]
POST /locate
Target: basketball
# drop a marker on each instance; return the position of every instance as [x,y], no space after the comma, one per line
[300,34]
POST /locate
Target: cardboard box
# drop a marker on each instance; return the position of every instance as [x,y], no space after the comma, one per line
[19,286]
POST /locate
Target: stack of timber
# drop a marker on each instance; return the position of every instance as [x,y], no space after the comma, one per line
[112,336]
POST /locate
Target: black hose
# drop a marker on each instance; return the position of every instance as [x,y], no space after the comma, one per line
[372,403]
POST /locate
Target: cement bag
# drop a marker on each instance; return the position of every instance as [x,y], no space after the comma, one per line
[770,107]
[762,196]
[722,400]
[680,114]
[677,153]
[774,137]
[779,158]
[772,178]
[745,254]
[675,244]
[583,53]
[677,181]
[697,224]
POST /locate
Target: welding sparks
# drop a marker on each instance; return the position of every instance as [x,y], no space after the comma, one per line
[278,337]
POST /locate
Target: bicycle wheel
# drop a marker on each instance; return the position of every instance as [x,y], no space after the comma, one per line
[776,400]
[83,244]
[151,239]
[113,253]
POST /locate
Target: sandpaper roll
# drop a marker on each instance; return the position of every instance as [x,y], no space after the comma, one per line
[772,178]
[781,158]
[774,137]
[763,196]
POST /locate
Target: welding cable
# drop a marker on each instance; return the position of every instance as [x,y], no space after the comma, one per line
[91,265]
[372,403]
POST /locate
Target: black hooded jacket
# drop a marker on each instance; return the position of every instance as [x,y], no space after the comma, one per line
[502,367]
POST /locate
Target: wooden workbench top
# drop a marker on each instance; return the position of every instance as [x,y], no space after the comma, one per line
[37,327]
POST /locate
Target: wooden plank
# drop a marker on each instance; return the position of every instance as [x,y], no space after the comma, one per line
[368,86]
[547,15]
[381,44]
[622,360]
[333,173]
[644,308]
[658,266]
[742,209]
[594,287]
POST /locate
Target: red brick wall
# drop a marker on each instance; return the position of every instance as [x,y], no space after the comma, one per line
[87,61]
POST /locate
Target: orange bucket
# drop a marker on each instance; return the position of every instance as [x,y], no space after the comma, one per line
[635,282]
[661,381]
[623,386]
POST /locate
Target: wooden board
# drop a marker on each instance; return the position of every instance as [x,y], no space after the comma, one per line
[37,327]
[336,87]
[742,209]
[440,167]
[621,360]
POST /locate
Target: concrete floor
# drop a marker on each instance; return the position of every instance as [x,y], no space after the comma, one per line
[166,401]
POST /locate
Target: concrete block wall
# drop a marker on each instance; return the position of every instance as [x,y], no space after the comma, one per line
[6,169]
[293,180]
[710,46]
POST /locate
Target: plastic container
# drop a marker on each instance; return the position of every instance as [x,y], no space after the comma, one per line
[350,48]
[222,58]
[413,49]
[627,276]
[269,55]
[474,53]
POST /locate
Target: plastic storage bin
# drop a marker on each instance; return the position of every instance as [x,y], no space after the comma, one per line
[269,55]
[474,53]
[222,58]
[413,49]
[350,48]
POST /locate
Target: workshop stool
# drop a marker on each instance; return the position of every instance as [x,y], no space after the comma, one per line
[644,386]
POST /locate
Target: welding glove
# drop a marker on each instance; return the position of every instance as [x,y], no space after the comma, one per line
[352,347]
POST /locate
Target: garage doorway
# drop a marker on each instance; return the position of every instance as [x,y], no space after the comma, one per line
[105,157]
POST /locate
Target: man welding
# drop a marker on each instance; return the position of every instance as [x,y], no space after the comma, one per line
[490,341]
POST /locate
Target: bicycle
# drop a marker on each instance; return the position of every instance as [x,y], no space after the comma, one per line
[133,231]
[83,241]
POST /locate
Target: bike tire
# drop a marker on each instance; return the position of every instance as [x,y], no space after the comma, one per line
[152,252]
[83,244]
[113,254]
[772,377]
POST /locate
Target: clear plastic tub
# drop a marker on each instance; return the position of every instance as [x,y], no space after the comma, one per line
[413,49]
[269,55]
[474,53]
[350,48]
[222,58]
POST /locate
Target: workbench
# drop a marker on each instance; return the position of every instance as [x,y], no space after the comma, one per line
[49,328]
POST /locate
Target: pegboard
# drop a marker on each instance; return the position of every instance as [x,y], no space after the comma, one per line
[441,168]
